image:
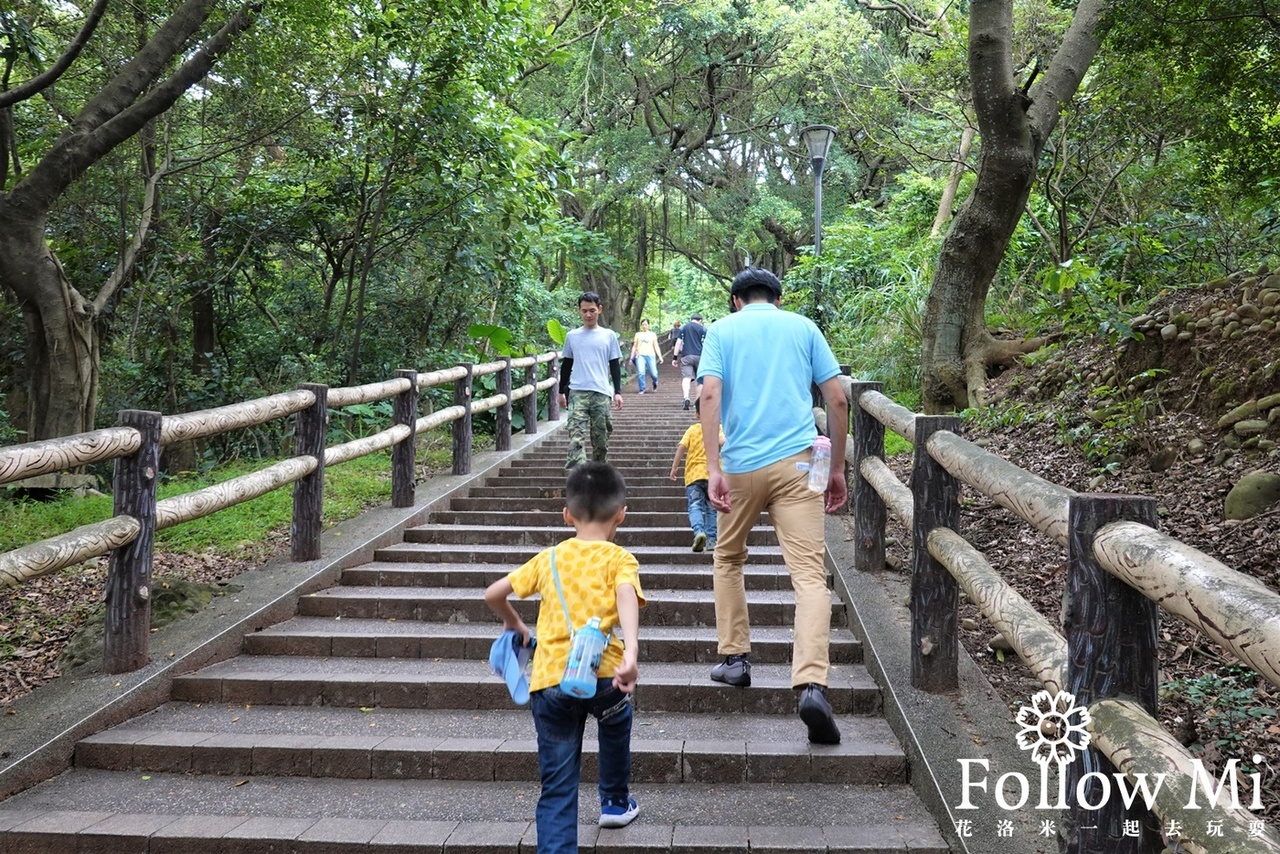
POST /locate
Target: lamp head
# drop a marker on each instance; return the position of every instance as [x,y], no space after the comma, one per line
[817,138]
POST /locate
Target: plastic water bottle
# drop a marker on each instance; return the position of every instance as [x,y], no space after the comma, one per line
[588,645]
[820,465]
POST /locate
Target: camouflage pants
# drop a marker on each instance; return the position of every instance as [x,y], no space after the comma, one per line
[589,424]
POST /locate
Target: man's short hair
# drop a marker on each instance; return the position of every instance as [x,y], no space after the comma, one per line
[697,315]
[594,492]
[589,296]
[756,283]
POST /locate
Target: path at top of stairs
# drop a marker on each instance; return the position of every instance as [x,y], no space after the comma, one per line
[370,722]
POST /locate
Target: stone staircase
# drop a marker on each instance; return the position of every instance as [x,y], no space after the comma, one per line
[370,722]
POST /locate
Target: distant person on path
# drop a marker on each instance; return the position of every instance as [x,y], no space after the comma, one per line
[762,396]
[702,516]
[646,355]
[686,353]
[590,376]
[585,576]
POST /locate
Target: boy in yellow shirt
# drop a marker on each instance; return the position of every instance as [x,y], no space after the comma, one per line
[702,516]
[583,577]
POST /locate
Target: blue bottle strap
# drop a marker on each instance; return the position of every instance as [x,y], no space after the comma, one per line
[560,592]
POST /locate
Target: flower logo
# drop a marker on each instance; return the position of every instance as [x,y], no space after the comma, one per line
[1053,727]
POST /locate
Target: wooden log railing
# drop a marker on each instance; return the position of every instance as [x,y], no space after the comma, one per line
[1121,573]
[128,536]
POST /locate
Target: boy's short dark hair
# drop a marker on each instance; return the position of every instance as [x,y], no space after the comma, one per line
[589,296]
[594,492]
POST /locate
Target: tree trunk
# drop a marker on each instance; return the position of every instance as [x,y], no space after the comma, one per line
[957,348]
[62,340]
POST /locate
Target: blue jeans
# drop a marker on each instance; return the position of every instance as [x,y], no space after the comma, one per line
[560,721]
[702,516]
[646,365]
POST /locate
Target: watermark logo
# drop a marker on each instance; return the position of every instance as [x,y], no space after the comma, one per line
[1053,728]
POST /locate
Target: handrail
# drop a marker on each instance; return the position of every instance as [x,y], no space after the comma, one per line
[1118,566]
[135,446]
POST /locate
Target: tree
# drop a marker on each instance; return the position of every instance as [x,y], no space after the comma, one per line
[62,320]
[1014,125]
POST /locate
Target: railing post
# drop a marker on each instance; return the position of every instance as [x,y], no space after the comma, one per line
[531,402]
[308,493]
[128,629]
[404,455]
[553,401]
[462,427]
[935,595]
[503,439]
[869,513]
[1111,634]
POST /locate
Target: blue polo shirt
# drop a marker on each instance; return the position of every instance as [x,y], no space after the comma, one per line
[766,359]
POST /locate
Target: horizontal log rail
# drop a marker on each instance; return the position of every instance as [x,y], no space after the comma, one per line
[135,444]
[1120,573]
[32,459]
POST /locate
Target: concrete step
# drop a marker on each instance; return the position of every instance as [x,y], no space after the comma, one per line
[497,487]
[203,814]
[655,575]
[627,535]
[454,604]
[457,684]
[356,638]
[489,745]
[675,517]
[515,555]
[673,503]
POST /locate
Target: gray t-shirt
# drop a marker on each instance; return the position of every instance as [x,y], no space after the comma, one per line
[591,350]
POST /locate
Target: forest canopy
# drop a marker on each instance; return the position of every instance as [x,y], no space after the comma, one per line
[209,201]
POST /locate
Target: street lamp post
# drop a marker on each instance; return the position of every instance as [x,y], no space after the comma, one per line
[817,138]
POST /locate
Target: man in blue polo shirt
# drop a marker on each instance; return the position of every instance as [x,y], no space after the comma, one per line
[756,368]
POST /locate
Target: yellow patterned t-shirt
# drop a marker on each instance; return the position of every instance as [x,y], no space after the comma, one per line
[695,461]
[590,573]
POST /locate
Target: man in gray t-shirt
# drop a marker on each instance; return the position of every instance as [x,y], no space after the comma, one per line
[686,353]
[590,379]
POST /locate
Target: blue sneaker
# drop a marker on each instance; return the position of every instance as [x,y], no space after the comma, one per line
[618,814]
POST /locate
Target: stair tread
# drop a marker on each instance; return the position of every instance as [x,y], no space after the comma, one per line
[360,591]
[332,669]
[892,808]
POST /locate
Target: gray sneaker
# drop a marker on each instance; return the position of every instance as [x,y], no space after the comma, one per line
[735,670]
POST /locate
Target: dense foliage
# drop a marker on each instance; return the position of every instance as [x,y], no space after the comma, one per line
[353,187]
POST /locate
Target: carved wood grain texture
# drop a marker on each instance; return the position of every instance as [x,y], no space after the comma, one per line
[484,404]
[549,382]
[485,368]
[1236,611]
[866,502]
[202,502]
[1111,652]
[1032,636]
[438,418]
[404,454]
[379,441]
[128,588]
[1136,743]
[352,394]
[87,541]
[211,422]
[462,390]
[549,356]
[502,437]
[553,377]
[897,418]
[53,455]
[309,434]
[1041,503]
[430,379]
[529,394]
[935,595]
[895,494]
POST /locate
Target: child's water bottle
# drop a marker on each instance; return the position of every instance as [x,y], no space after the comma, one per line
[588,645]
[820,465]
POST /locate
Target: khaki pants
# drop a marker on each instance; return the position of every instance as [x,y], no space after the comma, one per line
[797,517]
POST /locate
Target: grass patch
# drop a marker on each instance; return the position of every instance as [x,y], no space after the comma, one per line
[895,445]
[237,531]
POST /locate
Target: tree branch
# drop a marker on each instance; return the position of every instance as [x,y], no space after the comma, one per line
[50,76]
[125,264]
